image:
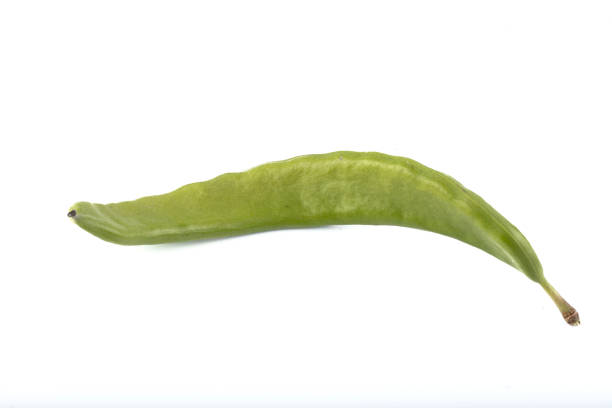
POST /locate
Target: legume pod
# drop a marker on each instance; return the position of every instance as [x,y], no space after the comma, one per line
[314,190]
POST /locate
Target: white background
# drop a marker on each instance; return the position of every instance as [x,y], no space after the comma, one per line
[110,101]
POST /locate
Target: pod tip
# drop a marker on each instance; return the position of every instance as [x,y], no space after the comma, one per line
[72,213]
[569,313]
[571,317]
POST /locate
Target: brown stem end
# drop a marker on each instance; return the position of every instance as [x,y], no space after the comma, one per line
[569,313]
[571,317]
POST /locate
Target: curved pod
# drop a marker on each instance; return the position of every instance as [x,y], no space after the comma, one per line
[313,190]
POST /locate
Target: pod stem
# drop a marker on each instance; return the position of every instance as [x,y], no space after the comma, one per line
[569,313]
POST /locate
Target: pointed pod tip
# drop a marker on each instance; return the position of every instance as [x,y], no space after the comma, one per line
[72,213]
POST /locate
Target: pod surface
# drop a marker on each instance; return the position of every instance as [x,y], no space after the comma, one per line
[313,190]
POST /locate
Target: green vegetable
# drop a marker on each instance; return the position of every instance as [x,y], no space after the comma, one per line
[314,190]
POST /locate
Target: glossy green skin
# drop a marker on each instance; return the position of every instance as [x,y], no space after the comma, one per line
[314,190]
